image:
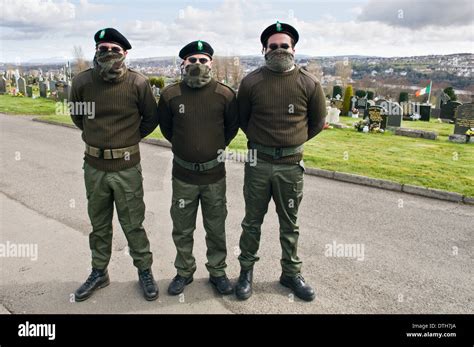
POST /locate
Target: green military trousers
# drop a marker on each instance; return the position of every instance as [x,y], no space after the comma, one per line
[184,207]
[126,190]
[283,183]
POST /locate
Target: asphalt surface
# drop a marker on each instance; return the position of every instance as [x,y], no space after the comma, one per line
[418,252]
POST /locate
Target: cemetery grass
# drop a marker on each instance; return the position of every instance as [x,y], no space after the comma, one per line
[437,164]
[434,164]
[442,129]
[23,105]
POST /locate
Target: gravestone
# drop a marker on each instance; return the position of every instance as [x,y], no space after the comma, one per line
[417,133]
[425,112]
[353,102]
[43,89]
[333,115]
[448,110]
[67,87]
[3,85]
[394,115]
[52,86]
[361,105]
[21,86]
[443,98]
[29,91]
[464,118]
[63,90]
[376,117]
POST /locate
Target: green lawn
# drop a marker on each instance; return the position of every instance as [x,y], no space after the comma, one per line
[436,164]
[27,106]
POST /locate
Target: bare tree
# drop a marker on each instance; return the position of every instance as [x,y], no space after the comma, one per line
[80,63]
[227,70]
[344,71]
[236,72]
[314,68]
[218,69]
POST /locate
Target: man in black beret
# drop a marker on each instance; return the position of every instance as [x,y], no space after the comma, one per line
[281,106]
[125,111]
[197,63]
[111,50]
[199,117]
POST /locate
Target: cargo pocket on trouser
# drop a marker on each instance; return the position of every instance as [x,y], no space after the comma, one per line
[136,207]
[184,206]
[214,208]
[136,236]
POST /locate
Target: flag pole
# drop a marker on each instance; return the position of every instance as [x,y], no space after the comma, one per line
[429,94]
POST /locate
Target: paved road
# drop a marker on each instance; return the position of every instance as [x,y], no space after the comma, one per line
[418,252]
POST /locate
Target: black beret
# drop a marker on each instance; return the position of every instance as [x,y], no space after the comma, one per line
[196,47]
[279,28]
[112,35]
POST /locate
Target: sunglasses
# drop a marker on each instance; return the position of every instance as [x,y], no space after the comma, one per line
[114,49]
[274,46]
[194,60]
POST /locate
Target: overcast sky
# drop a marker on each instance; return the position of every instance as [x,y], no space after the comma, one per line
[39,29]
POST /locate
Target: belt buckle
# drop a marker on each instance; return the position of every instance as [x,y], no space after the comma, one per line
[278,152]
[100,153]
[197,167]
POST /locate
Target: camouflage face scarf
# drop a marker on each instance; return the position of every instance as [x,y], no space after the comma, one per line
[197,75]
[110,65]
[279,60]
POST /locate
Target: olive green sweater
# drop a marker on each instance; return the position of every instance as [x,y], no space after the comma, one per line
[198,122]
[281,109]
[125,112]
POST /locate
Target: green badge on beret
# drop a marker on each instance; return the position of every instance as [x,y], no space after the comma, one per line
[102,34]
[200,46]
[278,26]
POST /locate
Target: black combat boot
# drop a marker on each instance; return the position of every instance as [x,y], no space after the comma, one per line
[148,284]
[222,284]
[298,286]
[178,283]
[243,288]
[96,280]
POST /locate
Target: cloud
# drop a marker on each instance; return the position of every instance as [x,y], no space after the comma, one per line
[377,39]
[419,14]
[146,31]
[41,19]
[28,14]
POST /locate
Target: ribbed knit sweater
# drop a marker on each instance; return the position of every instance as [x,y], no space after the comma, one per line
[281,109]
[125,112]
[198,122]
